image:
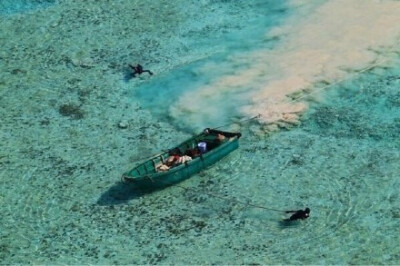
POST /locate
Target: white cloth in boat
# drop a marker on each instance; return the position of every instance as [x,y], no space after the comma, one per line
[184,159]
[180,160]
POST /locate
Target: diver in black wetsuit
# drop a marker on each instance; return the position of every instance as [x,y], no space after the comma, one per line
[139,70]
[299,214]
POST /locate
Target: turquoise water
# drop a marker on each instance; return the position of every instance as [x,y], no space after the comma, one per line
[9,7]
[64,91]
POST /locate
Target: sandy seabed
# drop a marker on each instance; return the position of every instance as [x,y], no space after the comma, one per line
[71,124]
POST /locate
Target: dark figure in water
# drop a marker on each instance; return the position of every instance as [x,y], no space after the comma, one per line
[299,214]
[139,70]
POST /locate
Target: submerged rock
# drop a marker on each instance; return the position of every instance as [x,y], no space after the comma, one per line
[123,124]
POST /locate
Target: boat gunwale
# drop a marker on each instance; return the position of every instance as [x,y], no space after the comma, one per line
[235,137]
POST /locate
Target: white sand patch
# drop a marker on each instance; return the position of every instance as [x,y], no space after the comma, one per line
[334,41]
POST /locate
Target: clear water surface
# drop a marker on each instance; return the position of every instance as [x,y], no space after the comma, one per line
[65,91]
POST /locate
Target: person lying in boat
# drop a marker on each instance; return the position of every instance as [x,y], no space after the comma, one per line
[177,160]
[174,157]
[299,214]
[138,69]
[169,163]
[173,160]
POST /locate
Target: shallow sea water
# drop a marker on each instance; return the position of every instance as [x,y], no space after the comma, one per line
[64,89]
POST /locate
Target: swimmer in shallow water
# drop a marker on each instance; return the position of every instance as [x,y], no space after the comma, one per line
[138,69]
[299,214]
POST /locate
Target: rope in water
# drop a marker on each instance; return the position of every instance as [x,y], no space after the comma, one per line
[259,115]
[241,121]
[229,199]
[294,100]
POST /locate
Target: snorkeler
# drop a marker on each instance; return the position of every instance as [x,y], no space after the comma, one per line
[139,70]
[299,214]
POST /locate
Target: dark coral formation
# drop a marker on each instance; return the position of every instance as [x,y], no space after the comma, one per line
[71,110]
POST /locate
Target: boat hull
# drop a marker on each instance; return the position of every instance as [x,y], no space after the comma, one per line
[185,170]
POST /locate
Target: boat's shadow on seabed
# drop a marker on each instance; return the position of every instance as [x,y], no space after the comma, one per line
[121,193]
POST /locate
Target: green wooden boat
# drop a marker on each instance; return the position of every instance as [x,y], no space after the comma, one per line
[204,149]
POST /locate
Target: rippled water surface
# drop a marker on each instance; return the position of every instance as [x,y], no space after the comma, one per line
[73,120]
